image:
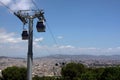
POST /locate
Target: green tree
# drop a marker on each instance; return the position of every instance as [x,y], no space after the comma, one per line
[111,73]
[72,70]
[88,76]
[36,78]
[14,73]
[98,72]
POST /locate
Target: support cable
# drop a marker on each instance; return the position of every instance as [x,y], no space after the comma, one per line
[51,33]
[7,7]
[35,4]
[59,51]
[47,50]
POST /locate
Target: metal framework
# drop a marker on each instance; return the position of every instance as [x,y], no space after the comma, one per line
[27,16]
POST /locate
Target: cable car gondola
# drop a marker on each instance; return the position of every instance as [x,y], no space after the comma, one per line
[24,35]
[40,26]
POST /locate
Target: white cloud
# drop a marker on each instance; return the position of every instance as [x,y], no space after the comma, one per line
[67,46]
[8,37]
[12,45]
[60,37]
[18,4]
[36,42]
[26,5]
[39,39]
[71,50]
[6,2]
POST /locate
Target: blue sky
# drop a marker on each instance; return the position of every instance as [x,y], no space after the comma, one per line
[79,27]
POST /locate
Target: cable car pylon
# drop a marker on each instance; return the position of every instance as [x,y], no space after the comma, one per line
[26,17]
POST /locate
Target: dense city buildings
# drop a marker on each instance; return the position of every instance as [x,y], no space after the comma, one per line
[51,66]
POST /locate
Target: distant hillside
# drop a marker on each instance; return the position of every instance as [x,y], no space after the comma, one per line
[85,57]
[74,57]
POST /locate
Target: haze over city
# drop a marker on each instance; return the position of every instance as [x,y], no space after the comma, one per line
[80,27]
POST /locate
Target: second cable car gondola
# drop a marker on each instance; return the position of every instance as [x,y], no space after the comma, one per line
[40,26]
[24,35]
